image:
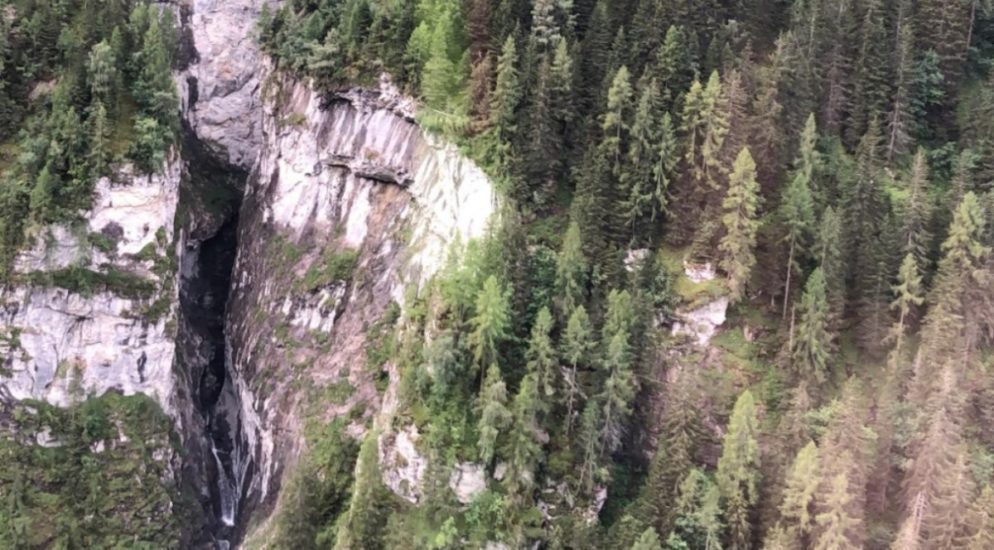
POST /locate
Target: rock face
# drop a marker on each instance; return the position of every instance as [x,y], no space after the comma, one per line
[347,180]
[93,311]
[220,88]
[230,317]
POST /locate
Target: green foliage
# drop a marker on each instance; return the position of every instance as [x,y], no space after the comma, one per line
[319,489]
[87,282]
[69,136]
[739,219]
[68,496]
[738,471]
[336,266]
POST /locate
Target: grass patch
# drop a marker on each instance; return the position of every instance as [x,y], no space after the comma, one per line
[87,282]
[690,294]
[334,267]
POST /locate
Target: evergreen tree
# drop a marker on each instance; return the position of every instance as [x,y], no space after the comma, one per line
[525,439]
[571,273]
[619,391]
[908,294]
[645,138]
[541,356]
[648,541]
[901,123]
[829,255]
[504,105]
[979,526]
[767,121]
[675,67]
[740,224]
[799,493]
[865,219]
[872,78]
[361,526]
[835,522]
[813,341]
[491,322]
[103,72]
[797,206]
[663,168]
[494,416]
[154,88]
[100,155]
[697,511]
[916,214]
[591,445]
[959,272]
[674,455]
[738,471]
[577,349]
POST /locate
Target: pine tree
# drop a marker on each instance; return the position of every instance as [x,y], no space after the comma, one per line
[648,541]
[103,72]
[561,102]
[872,80]
[545,29]
[916,214]
[491,322]
[674,455]
[865,217]
[675,67]
[663,169]
[619,391]
[577,349]
[960,271]
[901,123]
[525,439]
[738,471]
[835,522]
[979,526]
[697,511]
[813,341]
[361,526]
[714,129]
[571,273]
[154,87]
[799,492]
[908,294]
[797,206]
[645,137]
[494,416]
[503,106]
[99,139]
[541,356]
[766,125]
[829,256]
[591,445]
[740,224]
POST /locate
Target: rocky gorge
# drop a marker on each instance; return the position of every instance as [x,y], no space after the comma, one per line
[245,273]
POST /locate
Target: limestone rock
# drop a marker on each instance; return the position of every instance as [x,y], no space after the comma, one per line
[467,481]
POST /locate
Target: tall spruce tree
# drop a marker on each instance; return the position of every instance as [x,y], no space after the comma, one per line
[577,348]
[740,224]
[813,340]
[739,472]
[494,416]
[797,207]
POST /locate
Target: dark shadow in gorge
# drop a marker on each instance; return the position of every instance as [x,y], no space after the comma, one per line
[216,467]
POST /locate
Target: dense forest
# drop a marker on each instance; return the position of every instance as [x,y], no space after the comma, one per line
[83,86]
[833,159]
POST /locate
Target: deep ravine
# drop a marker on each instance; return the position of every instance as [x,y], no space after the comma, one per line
[217,468]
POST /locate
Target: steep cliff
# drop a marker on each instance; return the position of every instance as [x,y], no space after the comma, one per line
[242,281]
